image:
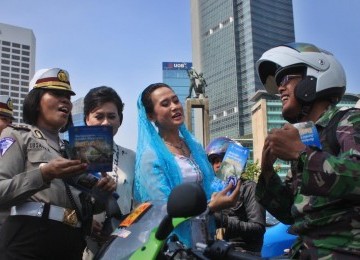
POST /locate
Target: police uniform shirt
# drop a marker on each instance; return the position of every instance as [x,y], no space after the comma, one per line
[22,150]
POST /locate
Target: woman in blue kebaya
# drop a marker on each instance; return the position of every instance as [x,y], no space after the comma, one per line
[168,154]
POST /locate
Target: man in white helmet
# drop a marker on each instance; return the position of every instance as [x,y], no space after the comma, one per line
[320,196]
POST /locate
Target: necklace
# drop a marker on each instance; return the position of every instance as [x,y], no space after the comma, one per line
[178,146]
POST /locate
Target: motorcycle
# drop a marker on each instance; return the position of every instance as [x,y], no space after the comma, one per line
[277,239]
[146,232]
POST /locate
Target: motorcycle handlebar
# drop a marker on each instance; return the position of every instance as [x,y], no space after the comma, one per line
[221,249]
[232,254]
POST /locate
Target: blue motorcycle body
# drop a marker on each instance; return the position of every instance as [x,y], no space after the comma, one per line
[277,239]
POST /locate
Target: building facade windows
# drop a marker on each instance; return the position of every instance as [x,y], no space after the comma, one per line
[17,52]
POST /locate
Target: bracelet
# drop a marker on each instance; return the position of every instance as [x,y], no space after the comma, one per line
[42,165]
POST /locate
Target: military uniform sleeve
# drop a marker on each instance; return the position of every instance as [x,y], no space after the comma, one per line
[335,176]
[16,185]
[276,197]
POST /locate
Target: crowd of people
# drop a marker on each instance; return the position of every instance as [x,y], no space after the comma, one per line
[43,216]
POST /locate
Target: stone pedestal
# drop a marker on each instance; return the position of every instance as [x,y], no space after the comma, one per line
[199,107]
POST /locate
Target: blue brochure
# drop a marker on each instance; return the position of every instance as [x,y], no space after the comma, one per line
[93,145]
[234,163]
[309,134]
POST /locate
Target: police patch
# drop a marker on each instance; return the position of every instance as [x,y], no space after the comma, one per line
[5,144]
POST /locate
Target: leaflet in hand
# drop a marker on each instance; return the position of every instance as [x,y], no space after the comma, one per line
[309,134]
[93,145]
[234,163]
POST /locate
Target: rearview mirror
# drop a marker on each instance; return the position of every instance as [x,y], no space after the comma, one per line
[185,200]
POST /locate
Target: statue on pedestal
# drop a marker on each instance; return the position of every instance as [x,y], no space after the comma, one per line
[202,84]
[199,88]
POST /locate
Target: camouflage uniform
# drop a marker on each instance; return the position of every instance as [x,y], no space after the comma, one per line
[320,196]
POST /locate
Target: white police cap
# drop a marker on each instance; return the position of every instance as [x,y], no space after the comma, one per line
[6,106]
[54,78]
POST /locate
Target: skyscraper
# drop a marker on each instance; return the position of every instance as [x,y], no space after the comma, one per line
[175,75]
[77,113]
[228,37]
[17,64]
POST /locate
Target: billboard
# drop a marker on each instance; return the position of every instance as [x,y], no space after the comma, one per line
[176,65]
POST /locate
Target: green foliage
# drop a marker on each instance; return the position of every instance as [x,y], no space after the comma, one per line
[277,168]
[252,171]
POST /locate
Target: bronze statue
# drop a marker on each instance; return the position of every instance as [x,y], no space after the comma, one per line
[198,88]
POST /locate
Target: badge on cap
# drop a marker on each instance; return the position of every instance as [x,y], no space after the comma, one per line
[10,104]
[5,144]
[62,76]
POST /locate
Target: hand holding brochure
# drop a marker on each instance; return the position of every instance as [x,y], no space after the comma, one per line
[308,134]
[234,163]
[93,145]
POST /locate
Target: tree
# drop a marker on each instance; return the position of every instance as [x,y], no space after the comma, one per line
[253,170]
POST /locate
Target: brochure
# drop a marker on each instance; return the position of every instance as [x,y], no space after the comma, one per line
[234,163]
[93,145]
[309,134]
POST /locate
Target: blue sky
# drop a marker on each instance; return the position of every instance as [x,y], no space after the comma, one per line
[122,44]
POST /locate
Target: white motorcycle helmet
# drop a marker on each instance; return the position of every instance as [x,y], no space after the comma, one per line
[323,75]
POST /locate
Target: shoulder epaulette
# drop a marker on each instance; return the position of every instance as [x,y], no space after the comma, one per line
[20,127]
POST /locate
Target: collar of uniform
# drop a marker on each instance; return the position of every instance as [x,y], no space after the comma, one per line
[52,139]
[324,119]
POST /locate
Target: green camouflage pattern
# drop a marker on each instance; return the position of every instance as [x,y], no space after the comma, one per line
[320,196]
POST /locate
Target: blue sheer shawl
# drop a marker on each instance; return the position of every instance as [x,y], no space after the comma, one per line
[156,171]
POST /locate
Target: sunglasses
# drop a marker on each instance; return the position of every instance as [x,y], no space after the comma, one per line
[285,80]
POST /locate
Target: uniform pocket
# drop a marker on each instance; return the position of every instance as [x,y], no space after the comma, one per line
[37,156]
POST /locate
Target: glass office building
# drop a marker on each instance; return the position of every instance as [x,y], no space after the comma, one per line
[17,64]
[228,38]
[77,116]
[175,75]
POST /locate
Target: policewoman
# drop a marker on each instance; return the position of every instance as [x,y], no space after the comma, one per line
[6,111]
[48,217]
[6,118]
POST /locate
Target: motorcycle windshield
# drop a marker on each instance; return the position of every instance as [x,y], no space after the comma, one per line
[125,241]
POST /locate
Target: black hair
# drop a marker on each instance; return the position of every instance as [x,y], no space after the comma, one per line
[31,108]
[146,96]
[214,156]
[98,96]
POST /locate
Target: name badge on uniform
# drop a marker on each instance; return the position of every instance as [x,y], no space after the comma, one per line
[5,144]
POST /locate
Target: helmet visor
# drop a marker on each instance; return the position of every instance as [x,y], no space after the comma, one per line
[303,47]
